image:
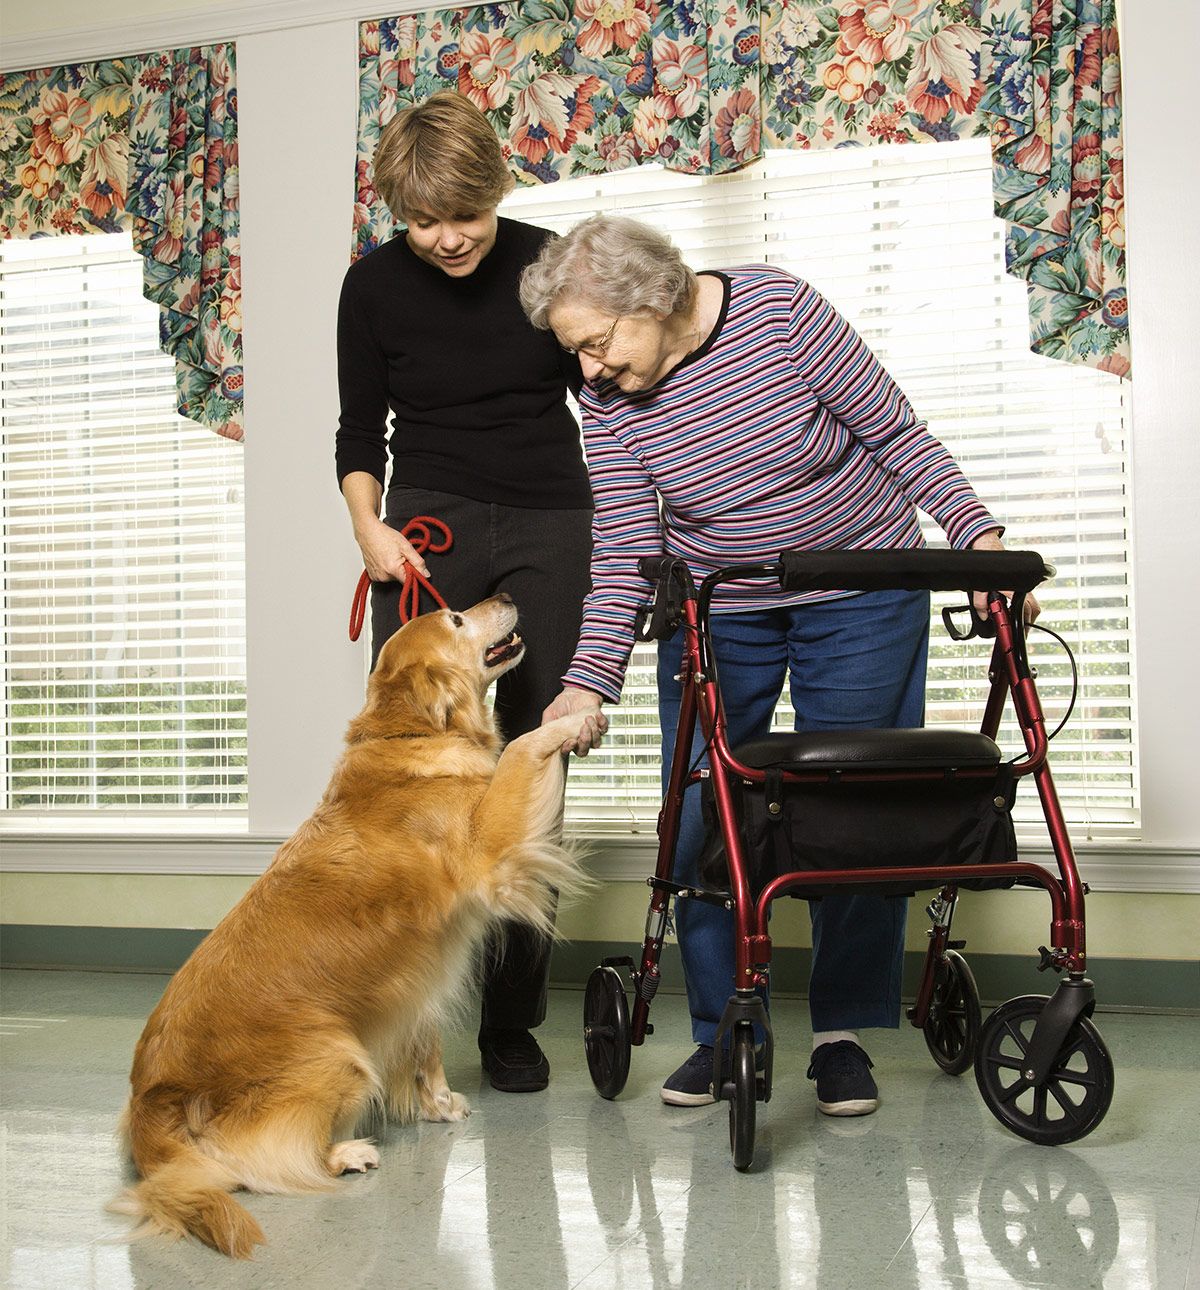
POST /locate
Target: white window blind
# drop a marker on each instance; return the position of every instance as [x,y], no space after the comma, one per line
[902,240]
[124,622]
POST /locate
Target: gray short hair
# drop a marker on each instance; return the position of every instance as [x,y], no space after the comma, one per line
[618,265]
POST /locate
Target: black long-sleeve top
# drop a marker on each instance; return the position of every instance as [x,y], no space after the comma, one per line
[478,393]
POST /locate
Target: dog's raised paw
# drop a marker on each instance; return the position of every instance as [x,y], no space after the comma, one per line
[355,1156]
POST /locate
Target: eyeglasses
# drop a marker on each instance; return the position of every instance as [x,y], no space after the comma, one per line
[596,348]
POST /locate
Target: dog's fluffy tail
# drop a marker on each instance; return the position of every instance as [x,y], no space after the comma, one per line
[184,1192]
[526,882]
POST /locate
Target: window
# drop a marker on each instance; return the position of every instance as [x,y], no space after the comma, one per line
[124,664]
[903,241]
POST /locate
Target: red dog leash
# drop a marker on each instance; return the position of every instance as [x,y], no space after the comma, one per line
[419,532]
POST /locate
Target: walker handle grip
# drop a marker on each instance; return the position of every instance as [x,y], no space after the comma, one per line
[653,567]
[672,584]
[923,569]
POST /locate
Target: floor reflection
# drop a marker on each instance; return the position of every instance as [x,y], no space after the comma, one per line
[564,1189]
[1046,1215]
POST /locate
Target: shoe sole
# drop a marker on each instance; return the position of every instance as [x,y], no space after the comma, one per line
[674,1098]
[856,1106]
[533,1084]
[531,1087]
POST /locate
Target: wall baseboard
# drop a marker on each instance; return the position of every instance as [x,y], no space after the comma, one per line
[1152,985]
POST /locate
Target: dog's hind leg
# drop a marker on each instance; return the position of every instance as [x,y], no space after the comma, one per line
[301,1138]
[352,1156]
[356,1095]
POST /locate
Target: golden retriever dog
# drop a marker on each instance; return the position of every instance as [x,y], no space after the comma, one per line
[318,999]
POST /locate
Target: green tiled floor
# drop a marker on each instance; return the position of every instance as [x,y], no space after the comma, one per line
[562,1189]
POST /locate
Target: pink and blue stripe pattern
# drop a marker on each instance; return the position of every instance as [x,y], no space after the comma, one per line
[782,431]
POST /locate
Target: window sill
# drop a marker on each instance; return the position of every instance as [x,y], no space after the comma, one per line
[21,826]
[1105,866]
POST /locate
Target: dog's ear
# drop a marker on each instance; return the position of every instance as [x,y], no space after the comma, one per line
[411,697]
[434,693]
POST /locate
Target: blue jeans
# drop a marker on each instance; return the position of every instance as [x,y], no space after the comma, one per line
[853,662]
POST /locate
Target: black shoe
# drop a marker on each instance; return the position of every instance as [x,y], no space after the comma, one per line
[691,1084]
[514,1061]
[844,1082]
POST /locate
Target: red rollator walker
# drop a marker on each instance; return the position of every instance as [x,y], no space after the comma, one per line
[889,811]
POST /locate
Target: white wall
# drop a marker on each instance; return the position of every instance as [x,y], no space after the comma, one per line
[297,97]
[304,679]
[1163,187]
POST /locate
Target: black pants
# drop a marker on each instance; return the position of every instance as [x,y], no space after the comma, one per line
[540,557]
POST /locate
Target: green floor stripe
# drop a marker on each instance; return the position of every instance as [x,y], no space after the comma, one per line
[1156,984]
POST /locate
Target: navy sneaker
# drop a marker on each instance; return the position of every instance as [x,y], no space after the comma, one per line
[514,1061]
[691,1084]
[844,1082]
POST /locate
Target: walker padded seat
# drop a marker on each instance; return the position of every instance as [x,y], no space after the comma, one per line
[867,750]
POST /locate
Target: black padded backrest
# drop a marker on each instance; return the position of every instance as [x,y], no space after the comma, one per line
[923,569]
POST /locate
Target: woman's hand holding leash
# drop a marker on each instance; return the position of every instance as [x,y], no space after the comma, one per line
[593,725]
[397,551]
[386,552]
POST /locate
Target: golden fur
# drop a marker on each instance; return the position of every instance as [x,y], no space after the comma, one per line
[319,997]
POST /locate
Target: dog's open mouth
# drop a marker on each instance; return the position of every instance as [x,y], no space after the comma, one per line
[503,650]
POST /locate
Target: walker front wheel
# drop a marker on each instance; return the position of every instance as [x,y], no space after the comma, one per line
[743,1096]
[1075,1095]
[952,1027]
[606,1033]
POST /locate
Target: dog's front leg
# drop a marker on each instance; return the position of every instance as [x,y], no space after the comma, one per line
[434,1096]
[524,800]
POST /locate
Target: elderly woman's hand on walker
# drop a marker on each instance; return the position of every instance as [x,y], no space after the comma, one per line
[991,542]
[575,699]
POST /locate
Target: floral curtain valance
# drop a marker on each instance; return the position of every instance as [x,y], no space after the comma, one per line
[598,85]
[147,143]
[1053,99]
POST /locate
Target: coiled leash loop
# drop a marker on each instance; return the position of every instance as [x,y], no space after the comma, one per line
[420,533]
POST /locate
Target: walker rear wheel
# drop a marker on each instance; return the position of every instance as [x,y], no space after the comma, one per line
[1075,1095]
[952,1027]
[743,1096]
[606,1034]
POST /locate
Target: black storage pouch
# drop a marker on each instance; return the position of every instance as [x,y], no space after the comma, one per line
[856,824]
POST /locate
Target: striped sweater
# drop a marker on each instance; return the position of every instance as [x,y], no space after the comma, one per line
[782,430]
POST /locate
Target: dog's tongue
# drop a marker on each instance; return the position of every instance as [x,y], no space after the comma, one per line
[503,646]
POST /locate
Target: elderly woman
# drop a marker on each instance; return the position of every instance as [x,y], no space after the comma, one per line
[430,328]
[727,416]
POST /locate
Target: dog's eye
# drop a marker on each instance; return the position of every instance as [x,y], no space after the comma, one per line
[456,619]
